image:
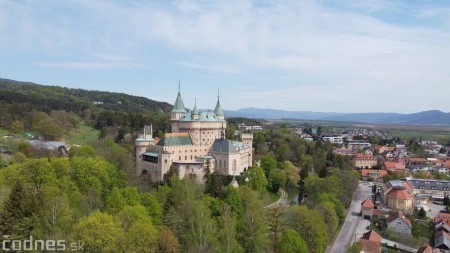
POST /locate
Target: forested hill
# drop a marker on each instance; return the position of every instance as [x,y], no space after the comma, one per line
[48,98]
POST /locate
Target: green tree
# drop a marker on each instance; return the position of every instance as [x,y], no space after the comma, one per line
[283,152]
[328,212]
[252,232]
[99,233]
[291,173]
[268,164]
[292,243]
[257,179]
[310,225]
[227,233]
[16,216]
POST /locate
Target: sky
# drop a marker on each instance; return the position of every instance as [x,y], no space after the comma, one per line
[297,55]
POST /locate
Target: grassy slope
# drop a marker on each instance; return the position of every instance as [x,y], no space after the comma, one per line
[3,132]
[83,135]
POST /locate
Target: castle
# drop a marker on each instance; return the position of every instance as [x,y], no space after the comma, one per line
[197,140]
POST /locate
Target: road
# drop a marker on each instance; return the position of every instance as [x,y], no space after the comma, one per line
[281,201]
[348,232]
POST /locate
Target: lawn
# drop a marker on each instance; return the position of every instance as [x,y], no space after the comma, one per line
[83,135]
[3,132]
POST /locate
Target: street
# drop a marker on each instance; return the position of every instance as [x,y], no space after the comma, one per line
[354,226]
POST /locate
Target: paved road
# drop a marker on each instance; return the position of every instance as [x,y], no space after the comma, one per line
[281,201]
[348,231]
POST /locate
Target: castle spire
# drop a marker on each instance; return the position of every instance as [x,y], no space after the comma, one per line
[178,106]
[195,111]
[218,111]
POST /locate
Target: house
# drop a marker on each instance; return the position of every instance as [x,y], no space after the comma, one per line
[430,188]
[395,166]
[343,151]
[364,161]
[442,240]
[375,174]
[399,223]
[428,249]
[367,209]
[398,195]
[333,139]
[371,242]
[368,152]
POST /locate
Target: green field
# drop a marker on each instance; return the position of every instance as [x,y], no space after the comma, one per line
[440,136]
[3,132]
[83,135]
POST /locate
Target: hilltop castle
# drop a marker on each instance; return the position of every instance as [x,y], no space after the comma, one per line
[197,140]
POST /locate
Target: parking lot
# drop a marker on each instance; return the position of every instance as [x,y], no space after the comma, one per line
[431,208]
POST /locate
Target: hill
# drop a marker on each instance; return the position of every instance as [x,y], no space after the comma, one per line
[433,117]
[47,98]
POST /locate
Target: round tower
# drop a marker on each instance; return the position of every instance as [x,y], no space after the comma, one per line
[141,143]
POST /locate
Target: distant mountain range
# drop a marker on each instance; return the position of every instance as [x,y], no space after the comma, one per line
[432,117]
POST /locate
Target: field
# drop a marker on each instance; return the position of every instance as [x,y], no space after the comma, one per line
[3,132]
[83,135]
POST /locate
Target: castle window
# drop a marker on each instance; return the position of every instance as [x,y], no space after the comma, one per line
[179,158]
[191,157]
[185,157]
[140,156]
[165,161]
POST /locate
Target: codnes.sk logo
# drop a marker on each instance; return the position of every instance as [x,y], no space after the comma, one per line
[32,244]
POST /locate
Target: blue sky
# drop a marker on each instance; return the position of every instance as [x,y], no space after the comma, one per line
[348,56]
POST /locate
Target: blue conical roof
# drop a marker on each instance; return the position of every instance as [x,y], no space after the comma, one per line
[195,111]
[218,111]
[178,106]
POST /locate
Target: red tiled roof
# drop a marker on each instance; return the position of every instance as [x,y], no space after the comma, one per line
[378,212]
[367,204]
[399,194]
[373,236]
[365,172]
[370,246]
[428,249]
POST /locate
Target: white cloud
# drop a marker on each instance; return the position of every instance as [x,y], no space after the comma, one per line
[91,65]
[359,45]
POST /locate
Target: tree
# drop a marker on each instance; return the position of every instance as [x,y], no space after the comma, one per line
[291,173]
[422,213]
[167,242]
[268,164]
[292,243]
[310,225]
[99,233]
[275,224]
[227,233]
[15,218]
[252,232]
[283,152]
[330,217]
[257,179]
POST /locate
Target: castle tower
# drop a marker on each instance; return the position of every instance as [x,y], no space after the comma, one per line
[141,143]
[219,111]
[178,107]
[195,113]
[248,139]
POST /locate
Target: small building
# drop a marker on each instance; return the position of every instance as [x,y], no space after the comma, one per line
[367,209]
[364,161]
[366,174]
[399,223]
[398,196]
[371,242]
[442,240]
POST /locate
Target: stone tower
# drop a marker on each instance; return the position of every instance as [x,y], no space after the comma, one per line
[141,143]
[248,140]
